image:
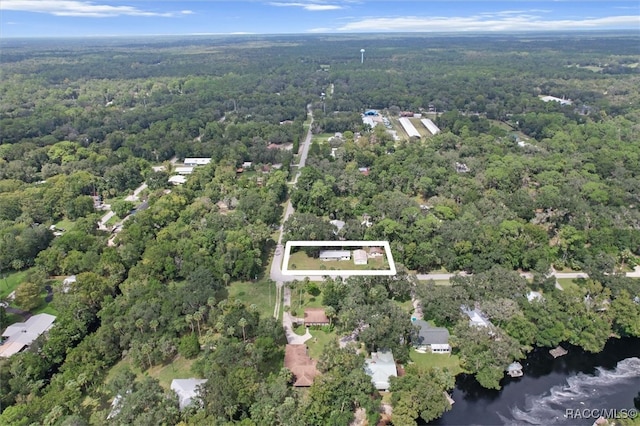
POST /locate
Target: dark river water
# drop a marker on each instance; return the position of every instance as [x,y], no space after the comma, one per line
[577,381]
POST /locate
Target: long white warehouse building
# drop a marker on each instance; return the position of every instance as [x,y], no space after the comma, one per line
[408,127]
[430,125]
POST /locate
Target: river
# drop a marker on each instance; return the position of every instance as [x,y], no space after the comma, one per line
[577,381]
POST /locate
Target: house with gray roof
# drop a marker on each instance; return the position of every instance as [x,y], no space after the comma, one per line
[431,339]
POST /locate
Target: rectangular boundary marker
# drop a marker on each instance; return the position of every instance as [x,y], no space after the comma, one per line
[307,272]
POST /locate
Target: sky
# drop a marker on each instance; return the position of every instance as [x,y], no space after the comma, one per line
[88,18]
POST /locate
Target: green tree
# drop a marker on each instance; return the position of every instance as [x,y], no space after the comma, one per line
[189,346]
[28,296]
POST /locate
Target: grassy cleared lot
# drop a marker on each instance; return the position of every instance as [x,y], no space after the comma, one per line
[300,261]
[429,360]
[260,293]
[9,282]
[180,368]
[319,340]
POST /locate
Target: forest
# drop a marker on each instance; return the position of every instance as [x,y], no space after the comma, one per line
[85,122]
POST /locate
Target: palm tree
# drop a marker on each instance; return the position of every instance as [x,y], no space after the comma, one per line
[198,316]
[243,323]
[330,312]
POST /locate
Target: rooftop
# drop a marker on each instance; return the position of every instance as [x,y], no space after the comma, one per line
[429,335]
[22,334]
[380,367]
[296,360]
[315,316]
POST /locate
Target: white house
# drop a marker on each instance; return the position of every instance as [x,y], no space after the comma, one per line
[187,390]
[20,335]
[196,161]
[476,317]
[335,255]
[184,170]
[381,366]
[66,284]
[360,257]
[177,179]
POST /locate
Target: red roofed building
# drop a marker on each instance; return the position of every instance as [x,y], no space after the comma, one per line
[296,360]
[315,316]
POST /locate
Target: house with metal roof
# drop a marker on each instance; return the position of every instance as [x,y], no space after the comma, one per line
[335,255]
[381,366]
[20,335]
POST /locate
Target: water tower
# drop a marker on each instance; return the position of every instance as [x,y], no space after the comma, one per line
[362,56]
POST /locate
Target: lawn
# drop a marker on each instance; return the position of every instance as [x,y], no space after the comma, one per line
[567,283]
[430,360]
[9,282]
[259,293]
[66,224]
[301,299]
[319,340]
[299,261]
[179,369]
[113,220]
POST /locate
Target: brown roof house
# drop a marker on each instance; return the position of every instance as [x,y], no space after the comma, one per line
[315,316]
[296,360]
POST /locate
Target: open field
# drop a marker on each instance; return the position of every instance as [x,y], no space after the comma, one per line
[259,293]
[9,282]
[430,360]
[180,368]
[300,261]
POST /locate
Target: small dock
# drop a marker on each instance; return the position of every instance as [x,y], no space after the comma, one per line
[449,399]
[559,351]
[515,369]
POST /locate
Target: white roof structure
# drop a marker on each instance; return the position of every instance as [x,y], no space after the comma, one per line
[409,127]
[22,334]
[196,161]
[360,257]
[430,125]
[534,295]
[553,98]
[177,179]
[335,254]
[380,367]
[187,390]
[66,284]
[369,120]
[184,170]
[337,223]
[476,317]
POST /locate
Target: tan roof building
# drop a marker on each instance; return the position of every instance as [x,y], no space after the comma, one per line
[315,316]
[296,360]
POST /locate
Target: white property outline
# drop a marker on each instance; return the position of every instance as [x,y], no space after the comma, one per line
[362,272]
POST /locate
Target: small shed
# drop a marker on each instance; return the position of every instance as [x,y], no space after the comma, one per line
[360,257]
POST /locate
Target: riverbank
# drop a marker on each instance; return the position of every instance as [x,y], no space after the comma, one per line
[579,380]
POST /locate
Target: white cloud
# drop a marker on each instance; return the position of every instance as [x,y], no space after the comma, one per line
[81,8]
[313,7]
[495,22]
[320,30]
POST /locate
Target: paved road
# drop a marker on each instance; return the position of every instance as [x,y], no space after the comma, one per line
[558,275]
[137,192]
